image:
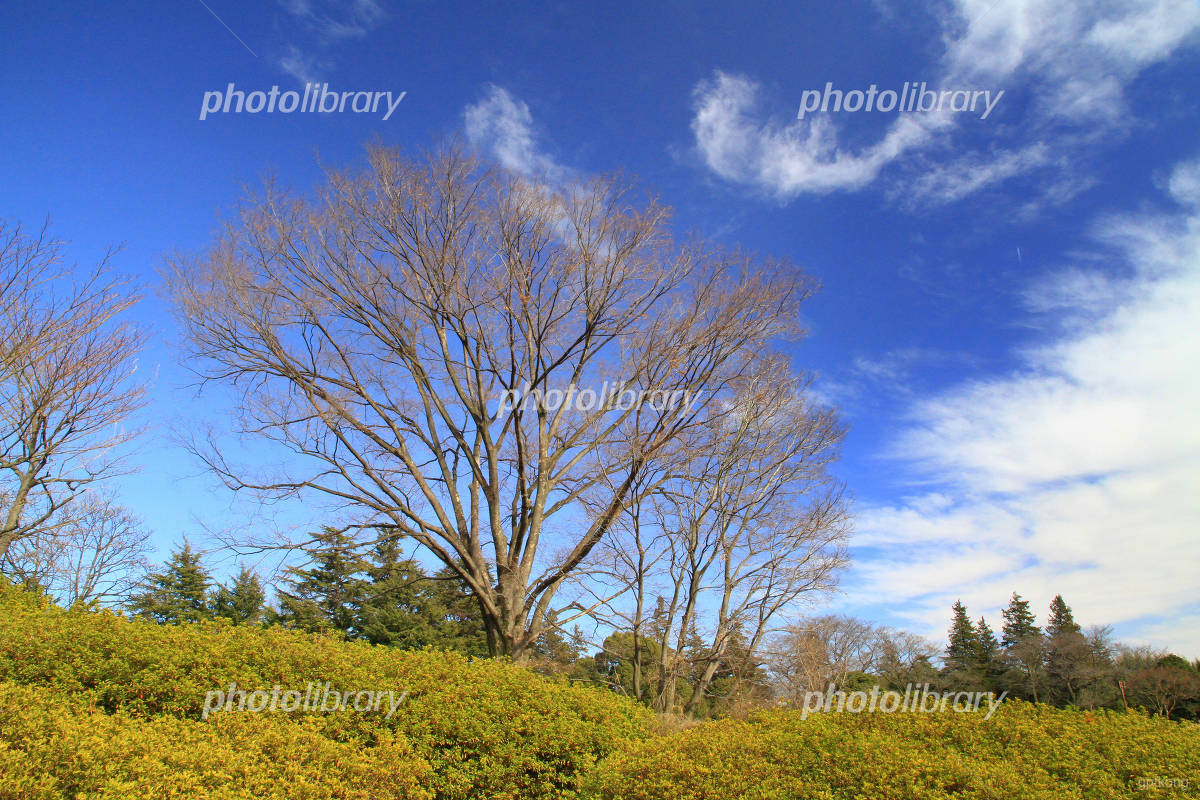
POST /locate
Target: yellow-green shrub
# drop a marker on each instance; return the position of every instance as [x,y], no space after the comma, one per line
[1024,752]
[51,748]
[488,728]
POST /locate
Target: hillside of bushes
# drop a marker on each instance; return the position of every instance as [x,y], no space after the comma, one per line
[466,729]
[1024,752]
[97,705]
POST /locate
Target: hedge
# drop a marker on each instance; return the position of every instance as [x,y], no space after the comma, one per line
[487,728]
[53,748]
[1026,751]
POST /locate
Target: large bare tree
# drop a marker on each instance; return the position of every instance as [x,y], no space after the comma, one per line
[372,331]
[68,354]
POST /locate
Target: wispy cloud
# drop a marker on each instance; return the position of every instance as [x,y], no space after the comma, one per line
[1073,59]
[894,375]
[299,65]
[1077,474]
[954,179]
[785,160]
[336,21]
[502,126]
[324,25]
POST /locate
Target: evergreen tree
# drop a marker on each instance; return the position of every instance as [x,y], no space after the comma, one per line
[963,648]
[555,653]
[326,595]
[1061,621]
[988,646]
[1069,657]
[396,607]
[457,620]
[243,601]
[1018,622]
[987,654]
[1024,652]
[177,594]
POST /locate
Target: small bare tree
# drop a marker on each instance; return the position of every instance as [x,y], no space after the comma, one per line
[68,355]
[1162,688]
[744,523]
[822,650]
[95,553]
[415,338]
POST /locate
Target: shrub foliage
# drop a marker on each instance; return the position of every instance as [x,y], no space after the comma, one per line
[96,705]
[1027,751]
[485,728]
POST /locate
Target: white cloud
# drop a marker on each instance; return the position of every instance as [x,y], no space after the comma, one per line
[1078,473]
[785,160]
[1083,292]
[334,21]
[888,377]
[1184,184]
[502,126]
[955,179]
[1075,59]
[299,65]
[1078,55]
[325,23]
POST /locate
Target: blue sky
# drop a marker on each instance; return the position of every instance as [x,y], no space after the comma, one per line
[1009,307]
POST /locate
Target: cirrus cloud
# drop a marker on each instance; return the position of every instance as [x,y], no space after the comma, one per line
[1074,59]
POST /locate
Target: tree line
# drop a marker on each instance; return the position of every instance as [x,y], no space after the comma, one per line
[379,594]
[1065,665]
[1061,664]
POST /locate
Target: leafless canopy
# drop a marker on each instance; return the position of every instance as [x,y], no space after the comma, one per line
[67,389]
[95,553]
[819,651]
[371,331]
[739,529]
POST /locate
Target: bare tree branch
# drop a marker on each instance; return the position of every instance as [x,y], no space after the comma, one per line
[67,388]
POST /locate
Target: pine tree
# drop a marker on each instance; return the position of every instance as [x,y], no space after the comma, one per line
[177,594]
[325,596]
[1069,657]
[1024,652]
[1061,621]
[555,653]
[394,608]
[457,619]
[242,601]
[1018,622]
[989,647]
[399,605]
[963,648]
